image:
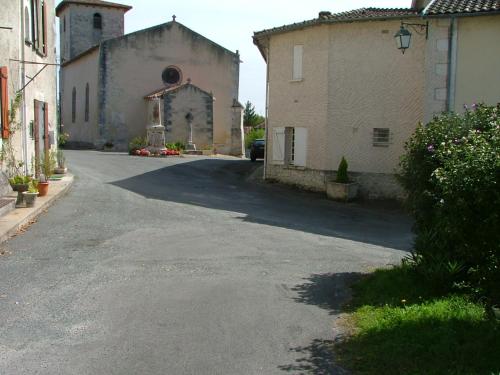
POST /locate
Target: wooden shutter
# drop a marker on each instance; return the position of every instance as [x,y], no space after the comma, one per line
[44,28]
[300,147]
[297,62]
[5,101]
[278,145]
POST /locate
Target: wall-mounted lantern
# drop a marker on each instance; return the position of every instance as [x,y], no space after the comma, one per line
[403,36]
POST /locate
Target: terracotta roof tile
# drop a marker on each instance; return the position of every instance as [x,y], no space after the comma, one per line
[443,7]
[362,14]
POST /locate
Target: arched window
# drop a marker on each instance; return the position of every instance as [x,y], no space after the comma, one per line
[73,105]
[97,21]
[27,25]
[87,102]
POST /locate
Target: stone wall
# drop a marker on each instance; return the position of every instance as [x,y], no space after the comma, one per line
[133,64]
[371,185]
[14,46]
[80,34]
[177,105]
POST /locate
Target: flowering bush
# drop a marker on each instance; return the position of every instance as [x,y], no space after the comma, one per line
[451,172]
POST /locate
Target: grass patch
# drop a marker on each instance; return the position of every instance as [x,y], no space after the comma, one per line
[402,326]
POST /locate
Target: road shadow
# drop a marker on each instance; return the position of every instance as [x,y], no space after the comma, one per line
[330,291]
[224,185]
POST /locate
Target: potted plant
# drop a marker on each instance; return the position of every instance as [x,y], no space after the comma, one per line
[342,188]
[31,194]
[48,163]
[61,163]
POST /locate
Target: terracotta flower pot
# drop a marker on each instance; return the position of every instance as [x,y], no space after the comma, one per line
[43,189]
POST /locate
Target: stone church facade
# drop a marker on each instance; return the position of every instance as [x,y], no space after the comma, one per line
[107,77]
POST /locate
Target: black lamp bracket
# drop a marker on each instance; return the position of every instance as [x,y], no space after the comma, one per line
[419,28]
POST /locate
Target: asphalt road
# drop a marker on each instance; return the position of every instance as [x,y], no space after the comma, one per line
[182,266]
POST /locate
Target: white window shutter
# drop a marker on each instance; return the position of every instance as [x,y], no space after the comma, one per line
[297,61]
[300,147]
[278,145]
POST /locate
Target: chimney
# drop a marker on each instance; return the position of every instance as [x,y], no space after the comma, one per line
[419,4]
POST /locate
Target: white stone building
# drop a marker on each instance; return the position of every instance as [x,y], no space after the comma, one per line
[338,86]
[28,72]
[106,76]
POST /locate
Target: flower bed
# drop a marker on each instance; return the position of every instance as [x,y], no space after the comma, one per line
[146,153]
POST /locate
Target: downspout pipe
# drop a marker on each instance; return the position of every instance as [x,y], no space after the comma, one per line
[266,155]
[22,80]
[452,65]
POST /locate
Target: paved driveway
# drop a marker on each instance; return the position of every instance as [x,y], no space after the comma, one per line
[180,266]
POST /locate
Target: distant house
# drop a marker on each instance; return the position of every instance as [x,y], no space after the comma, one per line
[106,76]
[28,73]
[339,86]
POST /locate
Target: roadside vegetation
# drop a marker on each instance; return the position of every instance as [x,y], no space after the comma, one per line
[253,135]
[434,314]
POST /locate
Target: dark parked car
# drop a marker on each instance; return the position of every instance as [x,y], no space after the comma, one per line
[257,149]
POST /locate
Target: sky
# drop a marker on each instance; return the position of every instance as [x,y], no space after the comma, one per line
[231,23]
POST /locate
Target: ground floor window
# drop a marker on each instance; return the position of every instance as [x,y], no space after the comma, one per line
[289,146]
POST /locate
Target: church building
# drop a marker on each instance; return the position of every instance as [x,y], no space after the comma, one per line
[107,79]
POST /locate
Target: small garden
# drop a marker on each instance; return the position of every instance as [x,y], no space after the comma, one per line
[138,147]
[439,311]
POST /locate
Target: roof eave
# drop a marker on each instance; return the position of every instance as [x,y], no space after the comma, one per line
[317,22]
[64,4]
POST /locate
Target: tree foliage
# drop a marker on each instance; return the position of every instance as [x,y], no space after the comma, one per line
[250,116]
[451,172]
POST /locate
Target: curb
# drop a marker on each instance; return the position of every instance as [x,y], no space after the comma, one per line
[8,233]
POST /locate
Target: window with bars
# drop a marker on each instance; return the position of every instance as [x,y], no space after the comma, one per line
[381,137]
[97,21]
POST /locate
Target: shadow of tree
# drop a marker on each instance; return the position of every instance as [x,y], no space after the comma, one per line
[318,359]
[329,291]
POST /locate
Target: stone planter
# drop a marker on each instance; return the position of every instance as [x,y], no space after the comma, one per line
[30,198]
[341,192]
[60,170]
[20,189]
[496,312]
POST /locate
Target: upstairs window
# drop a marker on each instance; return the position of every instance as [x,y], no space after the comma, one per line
[73,105]
[27,25]
[39,26]
[87,102]
[97,21]
[298,52]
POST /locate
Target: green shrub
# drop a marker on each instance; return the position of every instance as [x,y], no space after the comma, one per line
[451,172]
[176,146]
[253,135]
[342,176]
[137,143]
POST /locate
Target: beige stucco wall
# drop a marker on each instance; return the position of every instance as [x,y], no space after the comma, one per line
[43,88]
[133,65]
[77,75]
[371,85]
[478,61]
[354,80]
[300,103]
